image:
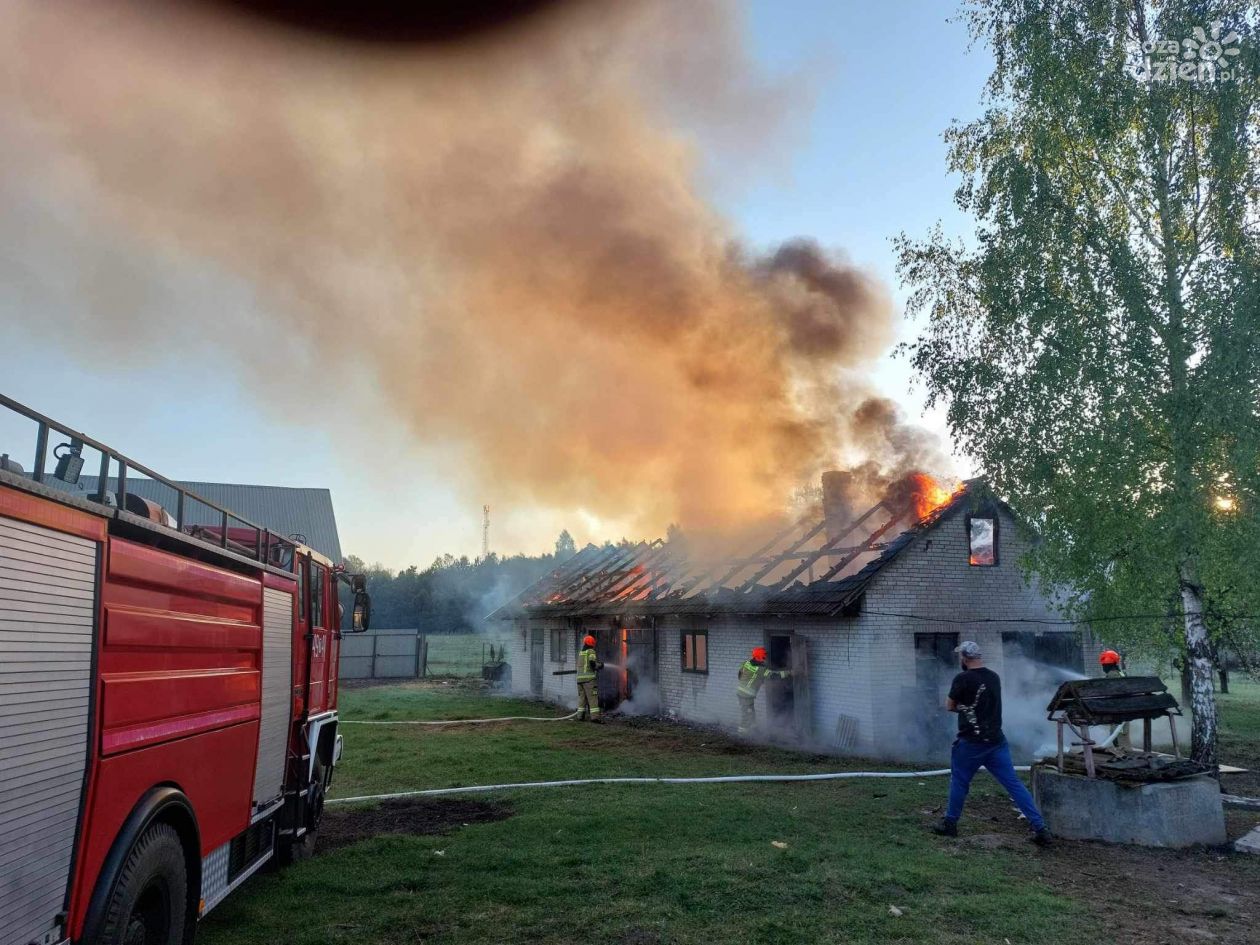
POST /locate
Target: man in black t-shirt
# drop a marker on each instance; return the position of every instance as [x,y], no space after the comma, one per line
[976,695]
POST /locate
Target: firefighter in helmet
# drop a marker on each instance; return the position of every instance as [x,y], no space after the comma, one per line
[588,665]
[752,675]
[1111,662]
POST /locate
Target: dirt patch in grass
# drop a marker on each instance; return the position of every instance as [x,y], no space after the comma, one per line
[1156,896]
[1246,783]
[1141,896]
[406,816]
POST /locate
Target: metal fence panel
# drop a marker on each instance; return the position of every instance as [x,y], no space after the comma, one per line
[380,654]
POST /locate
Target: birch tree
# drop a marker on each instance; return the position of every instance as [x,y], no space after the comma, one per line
[1097,343]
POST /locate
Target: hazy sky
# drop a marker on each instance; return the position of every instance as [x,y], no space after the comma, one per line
[866,163]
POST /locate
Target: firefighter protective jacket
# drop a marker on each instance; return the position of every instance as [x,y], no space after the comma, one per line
[751,677]
[588,663]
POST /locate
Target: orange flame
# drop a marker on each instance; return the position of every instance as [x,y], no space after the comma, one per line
[928,494]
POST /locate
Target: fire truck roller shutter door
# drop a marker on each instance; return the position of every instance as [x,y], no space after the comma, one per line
[47,618]
[277,685]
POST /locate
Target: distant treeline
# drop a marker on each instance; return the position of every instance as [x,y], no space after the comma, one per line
[452,595]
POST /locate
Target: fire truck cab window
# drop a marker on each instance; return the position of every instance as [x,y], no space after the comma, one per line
[559,646]
[695,651]
[301,589]
[317,595]
[982,541]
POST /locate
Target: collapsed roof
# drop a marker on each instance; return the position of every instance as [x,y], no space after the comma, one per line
[814,566]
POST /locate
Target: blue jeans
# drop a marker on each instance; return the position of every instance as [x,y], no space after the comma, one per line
[967,758]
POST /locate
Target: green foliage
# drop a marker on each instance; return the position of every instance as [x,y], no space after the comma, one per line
[566,547]
[1098,343]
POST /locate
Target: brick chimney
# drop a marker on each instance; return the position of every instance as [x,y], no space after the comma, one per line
[836,509]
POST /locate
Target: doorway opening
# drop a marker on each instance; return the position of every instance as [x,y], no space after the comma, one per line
[536,660]
[780,699]
[935,666]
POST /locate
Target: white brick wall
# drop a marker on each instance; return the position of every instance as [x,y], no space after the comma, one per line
[560,689]
[704,697]
[863,667]
[932,578]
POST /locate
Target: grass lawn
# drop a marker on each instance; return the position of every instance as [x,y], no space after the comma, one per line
[457,654]
[640,865]
[1240,734]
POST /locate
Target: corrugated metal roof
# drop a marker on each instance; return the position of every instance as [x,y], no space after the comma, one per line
[657,579]
[286,510]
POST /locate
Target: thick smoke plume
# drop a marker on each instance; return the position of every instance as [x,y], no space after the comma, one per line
[502,240]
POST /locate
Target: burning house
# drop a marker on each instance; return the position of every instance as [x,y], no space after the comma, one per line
[864,609]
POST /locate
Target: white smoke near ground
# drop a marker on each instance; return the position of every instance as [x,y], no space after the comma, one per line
[1027,688]
[645,696]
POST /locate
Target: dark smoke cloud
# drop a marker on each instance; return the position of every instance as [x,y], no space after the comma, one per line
[502,240]
[396,21]
[826,314]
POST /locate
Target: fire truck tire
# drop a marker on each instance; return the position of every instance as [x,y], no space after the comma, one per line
[291,851]
[149,903]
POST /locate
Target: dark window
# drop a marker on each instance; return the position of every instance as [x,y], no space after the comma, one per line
[559,646]
[982,539]
[934,656]
[695,651]
[317,595]
[301,589]
[1059,649]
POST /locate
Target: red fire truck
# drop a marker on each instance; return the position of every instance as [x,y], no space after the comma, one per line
[168,697]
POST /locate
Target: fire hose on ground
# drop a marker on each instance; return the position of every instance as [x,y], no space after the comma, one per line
[505,718]
[582,782]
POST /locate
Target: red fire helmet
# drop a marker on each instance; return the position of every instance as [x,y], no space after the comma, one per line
[759,653]
[1109,658]
[588,640]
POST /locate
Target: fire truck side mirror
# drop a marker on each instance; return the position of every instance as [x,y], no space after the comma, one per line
[361,617]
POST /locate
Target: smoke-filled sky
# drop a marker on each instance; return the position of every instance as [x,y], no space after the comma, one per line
[623,266]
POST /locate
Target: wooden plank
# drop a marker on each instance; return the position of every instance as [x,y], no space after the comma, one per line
[1105,688]
[1134,706]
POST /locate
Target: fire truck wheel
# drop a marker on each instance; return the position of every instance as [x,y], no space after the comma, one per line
[150,900]
[293,850]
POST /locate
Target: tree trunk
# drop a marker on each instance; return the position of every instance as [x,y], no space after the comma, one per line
[1183,416]
[1223,670]
[1199,655]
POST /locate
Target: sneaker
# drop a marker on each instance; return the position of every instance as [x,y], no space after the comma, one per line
[1042,837]
[945,827]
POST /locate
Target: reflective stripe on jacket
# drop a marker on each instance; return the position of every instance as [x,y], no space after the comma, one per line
[751,676]
[587,664]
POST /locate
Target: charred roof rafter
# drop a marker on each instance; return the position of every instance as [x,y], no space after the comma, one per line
[655,578]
